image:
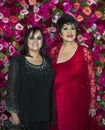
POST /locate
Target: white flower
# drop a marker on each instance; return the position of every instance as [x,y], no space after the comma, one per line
[1,16]
[103,121]
[36,9]
[89,30]
[1,47]
[5,20]
[24,12]
[56,17]
[19,26]
[90,2]
[94,26]
[98,98]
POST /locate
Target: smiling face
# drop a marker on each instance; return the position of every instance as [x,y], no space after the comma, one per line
[35,41]
[68,32]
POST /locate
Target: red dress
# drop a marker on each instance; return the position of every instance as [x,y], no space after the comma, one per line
[75,89]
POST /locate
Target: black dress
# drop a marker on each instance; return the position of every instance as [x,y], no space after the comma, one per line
[30,90]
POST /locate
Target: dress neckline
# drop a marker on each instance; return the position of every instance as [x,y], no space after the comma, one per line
[34,64]
[70,57]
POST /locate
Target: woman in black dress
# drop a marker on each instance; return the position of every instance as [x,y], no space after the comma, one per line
[30,78]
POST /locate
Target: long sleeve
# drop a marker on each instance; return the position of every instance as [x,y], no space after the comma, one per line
[91,76]
[12,95]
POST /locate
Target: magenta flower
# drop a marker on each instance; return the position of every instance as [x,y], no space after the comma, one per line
[87,35]
[67,8]
[5,44]
[102,79]
[18,38]
[30,16]
[8,33]
[100,29]
[89,23]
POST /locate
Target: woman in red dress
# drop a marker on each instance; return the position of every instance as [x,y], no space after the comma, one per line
[74,86]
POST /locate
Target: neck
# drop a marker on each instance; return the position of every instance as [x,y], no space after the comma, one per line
[34,54]
[66,44]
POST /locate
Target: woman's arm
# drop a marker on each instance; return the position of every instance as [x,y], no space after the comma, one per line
[12,96]
[92,81]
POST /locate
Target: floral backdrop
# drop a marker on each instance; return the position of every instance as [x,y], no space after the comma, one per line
[16,16]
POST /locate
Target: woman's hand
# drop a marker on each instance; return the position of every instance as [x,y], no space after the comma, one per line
[92,112]
[14,119]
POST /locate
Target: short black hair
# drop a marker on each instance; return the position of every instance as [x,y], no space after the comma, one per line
[25,45]
[66,19]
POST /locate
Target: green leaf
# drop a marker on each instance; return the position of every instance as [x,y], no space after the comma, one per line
[4,1]
[1,55]
[101,92]
[5,69]
[102,104]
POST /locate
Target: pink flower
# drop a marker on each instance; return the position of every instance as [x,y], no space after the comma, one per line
[3,102]
[11,50]
[103,121]
[1,47]
[97,35]
[1,109]
[55,1]
[37,17]
[3,117]
[80,38]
